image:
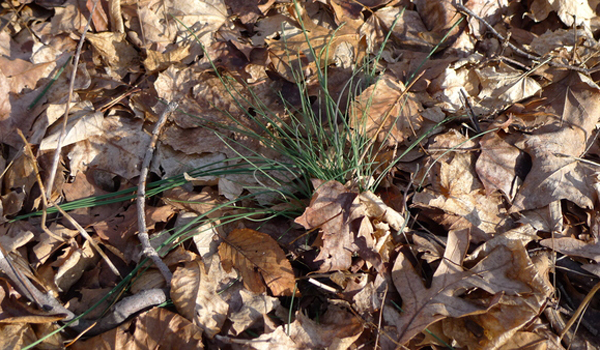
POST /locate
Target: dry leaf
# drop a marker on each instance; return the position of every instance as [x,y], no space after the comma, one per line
[157,328]
[574,247]
[423,306]
[259,260]
[330,210]
[556,173]
[194,293]
[385,110]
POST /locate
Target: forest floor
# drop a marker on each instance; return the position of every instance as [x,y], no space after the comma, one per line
[334,174]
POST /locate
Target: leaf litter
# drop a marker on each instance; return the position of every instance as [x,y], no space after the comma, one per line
[340,175]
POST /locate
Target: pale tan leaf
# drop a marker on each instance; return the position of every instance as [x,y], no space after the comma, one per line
[504,85]
[338,329]
[276,340]
[81,126]
[259,260]
[119,150]
[71,270]
[570,12]
[385,110]
[194,293]
[253,308]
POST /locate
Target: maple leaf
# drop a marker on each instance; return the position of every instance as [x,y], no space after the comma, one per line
[260,261]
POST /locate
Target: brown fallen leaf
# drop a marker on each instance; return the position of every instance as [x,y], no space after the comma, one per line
[496,166]
[386,112]
[423,306]
[194,293]
[574,247]
[556,172]
[259,260]
[457,190]
[330,209]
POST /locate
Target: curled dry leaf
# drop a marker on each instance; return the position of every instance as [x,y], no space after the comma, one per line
[259,260]
[331,209]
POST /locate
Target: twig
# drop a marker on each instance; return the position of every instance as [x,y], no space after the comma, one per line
[381,316]
[460,7]
[47,200]
[584,304]
[148,250]
[45,301]
[56,159]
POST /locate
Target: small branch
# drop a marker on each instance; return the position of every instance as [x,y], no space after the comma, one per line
[47,200]
[56,159]
[148,250]
[45,301]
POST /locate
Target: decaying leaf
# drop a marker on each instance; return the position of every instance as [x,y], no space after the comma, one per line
[331,211]
[259,260]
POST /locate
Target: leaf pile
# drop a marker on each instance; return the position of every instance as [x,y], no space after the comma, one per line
[482,232]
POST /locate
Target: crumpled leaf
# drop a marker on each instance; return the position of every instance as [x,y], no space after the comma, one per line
[259,260]
[330,209]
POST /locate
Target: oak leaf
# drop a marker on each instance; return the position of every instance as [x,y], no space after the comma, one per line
[260,261]
[554,148]
[423,306]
